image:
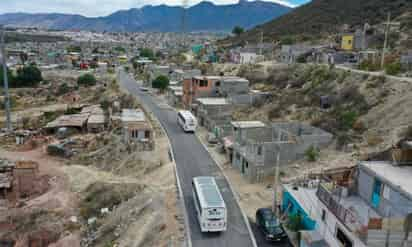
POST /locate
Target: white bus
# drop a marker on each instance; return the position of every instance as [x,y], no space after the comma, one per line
[209,204]
[187,121]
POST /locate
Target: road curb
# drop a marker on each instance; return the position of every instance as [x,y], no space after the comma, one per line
[235,195]
[179,186]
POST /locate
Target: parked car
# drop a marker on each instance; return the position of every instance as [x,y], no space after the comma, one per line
[270,225]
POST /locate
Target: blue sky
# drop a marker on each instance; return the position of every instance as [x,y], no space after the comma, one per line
[100,7]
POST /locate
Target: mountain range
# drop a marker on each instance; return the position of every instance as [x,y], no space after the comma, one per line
[205,16]
[323,17]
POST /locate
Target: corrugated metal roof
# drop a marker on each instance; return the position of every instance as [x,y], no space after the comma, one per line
[133,115]
[96,119]
[74,120]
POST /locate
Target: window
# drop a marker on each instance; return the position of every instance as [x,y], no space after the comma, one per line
[147,134]
[342,238]
[259,150]
[217,84]
[181,118]
[323,215]
[203,83]
[196,199]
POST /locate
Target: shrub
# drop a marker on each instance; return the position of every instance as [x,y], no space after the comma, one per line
[161,82]
[71,111]
[28,76]
[393,68]
[312,153]
[86,80]
[63,89]
[347,119]
[369,65]
[105,104]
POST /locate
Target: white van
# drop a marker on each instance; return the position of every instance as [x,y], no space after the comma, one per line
[187,121]
[209,204]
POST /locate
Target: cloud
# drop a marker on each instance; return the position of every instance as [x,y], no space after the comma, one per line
[97,7]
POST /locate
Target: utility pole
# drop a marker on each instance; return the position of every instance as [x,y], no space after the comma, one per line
[5,80]
[276,182]
[261,43]
[385,43]
[183,28]
[388,232]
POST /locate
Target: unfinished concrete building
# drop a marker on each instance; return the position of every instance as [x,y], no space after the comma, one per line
[213,86]
[256,147]
[370,207]
[212,112]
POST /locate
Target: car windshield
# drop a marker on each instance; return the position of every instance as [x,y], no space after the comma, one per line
[273,226]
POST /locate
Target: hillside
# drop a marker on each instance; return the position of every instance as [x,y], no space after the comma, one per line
[326,16]
[204,16]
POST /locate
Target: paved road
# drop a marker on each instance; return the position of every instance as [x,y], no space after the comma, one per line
[192,160]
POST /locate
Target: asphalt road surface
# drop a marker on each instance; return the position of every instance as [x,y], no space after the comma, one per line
[193,160]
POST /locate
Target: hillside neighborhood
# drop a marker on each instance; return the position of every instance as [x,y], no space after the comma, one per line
[303,122]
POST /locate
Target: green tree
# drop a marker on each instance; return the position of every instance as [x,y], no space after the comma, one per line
[74,48]
[86,80]
[119,49]
[147,52]
[28,76]
[237,30]
[161,82]
[10,76]
[135,65]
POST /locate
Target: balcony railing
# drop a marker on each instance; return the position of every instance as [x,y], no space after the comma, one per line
[347,217]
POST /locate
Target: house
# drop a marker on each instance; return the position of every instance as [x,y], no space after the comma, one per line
[24,178]
[71,97]
[174,95]
[356,210]
[256,146]
[212,112]
[241,57]
[73,121]
[347,42]
[212,86]
[122,59]
[135,127]
[354,41]
[292,53]
[179,74]
[406,60]
[6,178]
[97,121]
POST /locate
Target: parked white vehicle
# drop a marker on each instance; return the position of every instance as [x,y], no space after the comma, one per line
[187,121]
[209,204]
